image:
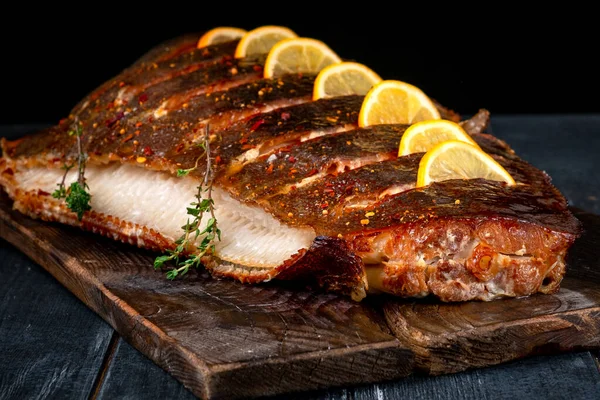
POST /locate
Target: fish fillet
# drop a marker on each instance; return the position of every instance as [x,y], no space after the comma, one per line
[301,193]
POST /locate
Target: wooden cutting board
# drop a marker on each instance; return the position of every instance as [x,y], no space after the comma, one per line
[222,339]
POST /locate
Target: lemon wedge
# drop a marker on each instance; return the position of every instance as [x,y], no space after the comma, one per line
[262,39]
[423,136]
[298,55]
[220,35]
[343,79]
[396,102]
[455,159]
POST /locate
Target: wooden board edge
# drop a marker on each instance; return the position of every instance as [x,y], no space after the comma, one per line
[369,363]
[499,343]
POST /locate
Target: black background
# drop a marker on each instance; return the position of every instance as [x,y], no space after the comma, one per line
[503,59]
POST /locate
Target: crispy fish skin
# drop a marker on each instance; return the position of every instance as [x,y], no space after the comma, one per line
[307,165]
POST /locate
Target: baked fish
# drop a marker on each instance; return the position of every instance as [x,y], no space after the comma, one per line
[299,191]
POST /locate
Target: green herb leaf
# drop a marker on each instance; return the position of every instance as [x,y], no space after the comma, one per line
[191,230]
[172,274]
[78,200]
[160,260]
[183,172]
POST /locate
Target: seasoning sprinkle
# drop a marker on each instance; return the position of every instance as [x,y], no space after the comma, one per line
[141,160]
[364,221]
[369,214]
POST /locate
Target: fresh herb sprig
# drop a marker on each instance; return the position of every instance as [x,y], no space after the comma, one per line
[191,230]
[76,196]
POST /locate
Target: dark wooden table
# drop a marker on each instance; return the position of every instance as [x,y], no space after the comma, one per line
[53,346]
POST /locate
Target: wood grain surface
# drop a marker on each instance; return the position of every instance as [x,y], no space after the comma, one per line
[225,340]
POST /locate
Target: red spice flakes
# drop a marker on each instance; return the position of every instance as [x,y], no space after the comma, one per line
[293,171]
[127,138]
[179,147]
[121,84]
[143,98]
[248,146]
[324,204]
[329,191]
[285,116]
[137,133]
[42,193]
[243,140]
[292,159]
[312,172]
[293,187]
[8,171]
[256,125]
[218,160]
[270,169]
[148,151]
[138,124]
[150,119]
[257,68]
[113,121]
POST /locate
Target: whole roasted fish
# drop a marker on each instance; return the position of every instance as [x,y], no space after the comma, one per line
[299,191]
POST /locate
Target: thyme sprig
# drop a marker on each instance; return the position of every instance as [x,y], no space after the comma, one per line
[76,196]
[191,230]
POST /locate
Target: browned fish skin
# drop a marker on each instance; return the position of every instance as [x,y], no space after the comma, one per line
[306,163]
[286,126]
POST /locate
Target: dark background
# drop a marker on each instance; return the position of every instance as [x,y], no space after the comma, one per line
[503,59]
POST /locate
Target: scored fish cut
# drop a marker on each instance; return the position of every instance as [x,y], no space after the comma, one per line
[301,193]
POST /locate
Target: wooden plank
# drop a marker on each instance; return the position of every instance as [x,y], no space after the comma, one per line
[51,345]
[217,337]
[563,376]
[130,375]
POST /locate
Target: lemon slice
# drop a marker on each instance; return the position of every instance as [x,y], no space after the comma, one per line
[396,102]
[343,79]
[299,55]
[220,35]
[423,136]
[454,159]
[262,39]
